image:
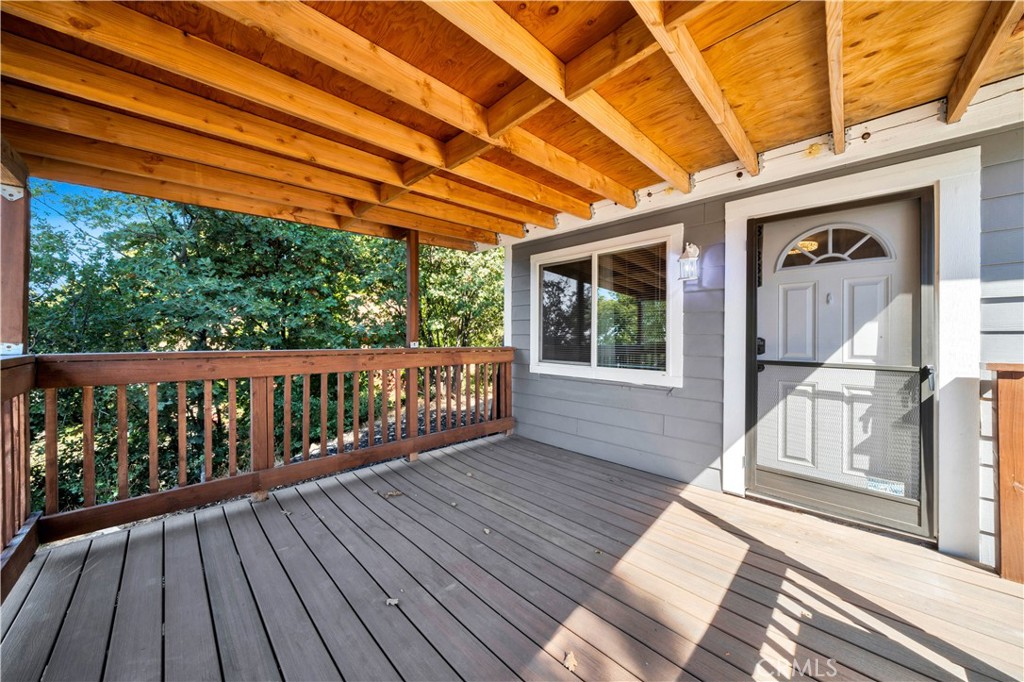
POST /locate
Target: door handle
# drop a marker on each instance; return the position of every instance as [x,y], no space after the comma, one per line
[928,372]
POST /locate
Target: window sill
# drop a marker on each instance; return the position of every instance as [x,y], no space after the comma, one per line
[634,377]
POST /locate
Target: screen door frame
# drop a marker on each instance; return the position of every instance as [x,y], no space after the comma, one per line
[836,500]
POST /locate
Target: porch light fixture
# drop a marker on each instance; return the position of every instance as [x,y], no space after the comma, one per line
[689,262]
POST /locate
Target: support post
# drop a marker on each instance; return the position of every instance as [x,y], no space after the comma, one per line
[14,253]
[261,428]
[412,272]
[412,331]
[1008,418]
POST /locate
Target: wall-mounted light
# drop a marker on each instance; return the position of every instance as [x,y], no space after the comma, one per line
[689,262]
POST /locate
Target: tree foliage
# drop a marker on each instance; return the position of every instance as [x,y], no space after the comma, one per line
[117,273]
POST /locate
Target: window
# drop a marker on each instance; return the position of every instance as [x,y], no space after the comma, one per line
[610,310]
[839,243]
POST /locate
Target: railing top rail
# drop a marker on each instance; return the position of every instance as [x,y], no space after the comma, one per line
[12,361]
[100,369]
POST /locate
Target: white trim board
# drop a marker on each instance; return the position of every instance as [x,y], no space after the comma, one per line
[956,178]
[995,106]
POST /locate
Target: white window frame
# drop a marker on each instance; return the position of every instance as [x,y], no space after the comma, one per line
[672,376]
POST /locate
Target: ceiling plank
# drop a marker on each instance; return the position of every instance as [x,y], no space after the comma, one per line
[306,30]
[41,65]
[63,171]
[834,50]
[684,54]
[117,28]
[15,172]
[996,28]
[490,26]
[522,103]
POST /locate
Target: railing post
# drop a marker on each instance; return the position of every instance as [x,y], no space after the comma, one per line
[261,427]
[1008,405]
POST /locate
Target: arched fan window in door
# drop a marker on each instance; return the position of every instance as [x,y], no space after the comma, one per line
[837,243]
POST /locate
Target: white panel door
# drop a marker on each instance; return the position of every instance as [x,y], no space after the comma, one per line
[838,397]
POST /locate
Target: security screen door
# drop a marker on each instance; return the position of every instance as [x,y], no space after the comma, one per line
[838,420]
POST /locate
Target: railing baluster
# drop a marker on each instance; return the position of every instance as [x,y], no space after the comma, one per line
[88,448]
[437,398]
[8,478]
[371,410]
[207,430]
[305,417]
[182,436]
[286,455]
[385,412]
[458,395]
[232,427]
[340,430]
[477,413]
[398,404]
[154,434]
[507,411]
[494,391]
[412,423]
[356,406]
[122,442]
[469,393]
[323,415]
[448,395]
[426,400]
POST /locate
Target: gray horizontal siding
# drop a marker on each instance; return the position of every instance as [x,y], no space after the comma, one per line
[677,432]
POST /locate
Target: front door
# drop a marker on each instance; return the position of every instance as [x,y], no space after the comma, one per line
[840,408]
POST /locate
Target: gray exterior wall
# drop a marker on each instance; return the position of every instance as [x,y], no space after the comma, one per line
[678,432]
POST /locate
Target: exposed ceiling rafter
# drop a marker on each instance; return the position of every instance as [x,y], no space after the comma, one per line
[996,27]
[490,26]
[682,51]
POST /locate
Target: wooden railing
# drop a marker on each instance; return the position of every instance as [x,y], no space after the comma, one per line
[17,377]
[130,436]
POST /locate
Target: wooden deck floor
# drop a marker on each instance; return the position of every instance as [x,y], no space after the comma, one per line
[505,556]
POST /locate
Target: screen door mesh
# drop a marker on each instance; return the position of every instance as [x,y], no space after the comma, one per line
[851,426]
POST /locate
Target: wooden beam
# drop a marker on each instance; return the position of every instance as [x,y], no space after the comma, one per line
[306,30]
[490,26]
[630,44]
[46,110]
[412,289]
[684,54]
[118,29]
[527,187]
[81,150]
[523,102]
[73,75]
[834,50]
[15,172]
[996,27]
[63,171]
[121,159]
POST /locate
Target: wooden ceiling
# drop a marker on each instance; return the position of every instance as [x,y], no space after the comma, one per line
[464,120]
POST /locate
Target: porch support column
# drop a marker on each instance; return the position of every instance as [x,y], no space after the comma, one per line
[14,253]
[412,270]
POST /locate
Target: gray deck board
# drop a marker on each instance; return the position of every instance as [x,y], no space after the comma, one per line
[81,647]
[245,652]
[190,646]
[136,640]
[26,648]
[505,555]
